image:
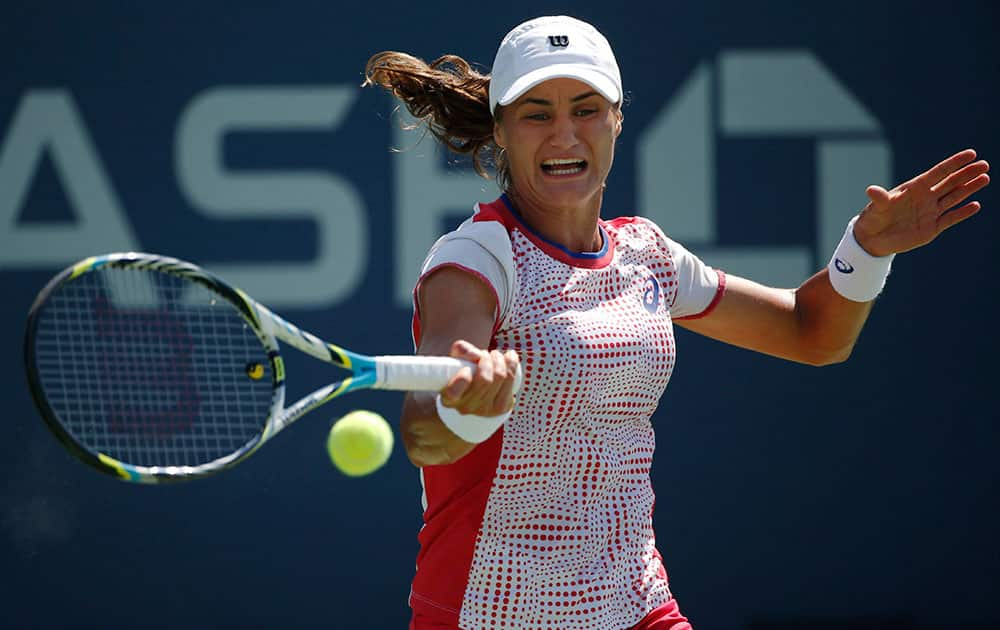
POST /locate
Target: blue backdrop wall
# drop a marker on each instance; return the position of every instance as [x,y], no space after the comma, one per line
[239,138]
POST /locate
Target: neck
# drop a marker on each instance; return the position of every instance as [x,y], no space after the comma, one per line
[573,227]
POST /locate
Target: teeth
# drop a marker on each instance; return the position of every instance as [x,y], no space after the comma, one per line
[560,161]
[565,171]
[563,166]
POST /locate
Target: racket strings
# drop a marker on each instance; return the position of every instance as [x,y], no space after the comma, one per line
[151,369]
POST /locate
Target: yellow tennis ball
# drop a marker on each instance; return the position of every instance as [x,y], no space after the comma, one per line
[359,443]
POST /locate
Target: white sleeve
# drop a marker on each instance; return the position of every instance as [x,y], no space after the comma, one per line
[483,249]
[698,285]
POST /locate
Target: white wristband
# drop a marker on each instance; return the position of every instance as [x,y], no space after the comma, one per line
[469,427]
[856,274]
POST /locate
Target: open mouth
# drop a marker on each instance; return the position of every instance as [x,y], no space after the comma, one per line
[563,166]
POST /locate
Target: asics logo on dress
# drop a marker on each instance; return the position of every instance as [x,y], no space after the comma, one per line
[559,41]
[843,266]
[651,295]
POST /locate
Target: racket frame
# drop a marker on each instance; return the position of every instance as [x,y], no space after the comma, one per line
[268,327]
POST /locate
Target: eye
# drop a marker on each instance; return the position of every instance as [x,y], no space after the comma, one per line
[537,116]
[586,111]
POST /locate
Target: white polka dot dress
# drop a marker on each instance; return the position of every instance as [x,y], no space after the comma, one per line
[549,522]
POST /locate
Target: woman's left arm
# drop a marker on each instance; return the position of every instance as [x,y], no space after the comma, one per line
[817,325]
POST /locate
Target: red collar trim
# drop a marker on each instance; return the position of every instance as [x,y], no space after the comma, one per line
[503,210]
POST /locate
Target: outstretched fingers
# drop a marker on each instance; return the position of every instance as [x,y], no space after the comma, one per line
[960,193]
[957,187]
[943,169]
[962,175]
[917,211]
[958,215]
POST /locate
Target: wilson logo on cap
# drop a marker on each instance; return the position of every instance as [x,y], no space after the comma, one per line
[538,50]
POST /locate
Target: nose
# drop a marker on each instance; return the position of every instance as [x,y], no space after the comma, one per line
[563,132]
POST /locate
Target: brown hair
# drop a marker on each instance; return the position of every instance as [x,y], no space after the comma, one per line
[450,98]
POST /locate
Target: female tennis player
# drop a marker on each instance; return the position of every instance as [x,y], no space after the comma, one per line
[538,509]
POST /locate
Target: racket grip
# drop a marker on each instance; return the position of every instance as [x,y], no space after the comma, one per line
[416,373]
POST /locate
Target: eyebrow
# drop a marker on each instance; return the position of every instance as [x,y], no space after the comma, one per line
[542,101]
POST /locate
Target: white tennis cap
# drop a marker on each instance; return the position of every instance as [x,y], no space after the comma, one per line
[549,48]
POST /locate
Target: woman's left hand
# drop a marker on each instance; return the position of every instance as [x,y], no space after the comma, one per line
[915,212]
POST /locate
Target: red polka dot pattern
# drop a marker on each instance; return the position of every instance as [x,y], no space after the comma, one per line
[567,537]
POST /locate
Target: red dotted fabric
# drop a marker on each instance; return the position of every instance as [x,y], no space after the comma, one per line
[565,536]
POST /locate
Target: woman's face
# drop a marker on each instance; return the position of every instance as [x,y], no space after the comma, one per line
[560,143]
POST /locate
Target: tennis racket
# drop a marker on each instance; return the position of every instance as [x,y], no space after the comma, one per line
[152,369]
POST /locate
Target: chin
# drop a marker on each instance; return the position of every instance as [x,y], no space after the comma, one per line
[569,192]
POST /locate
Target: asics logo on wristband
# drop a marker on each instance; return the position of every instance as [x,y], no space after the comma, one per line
[842,266]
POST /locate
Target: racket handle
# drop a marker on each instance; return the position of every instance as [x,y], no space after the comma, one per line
[417,374]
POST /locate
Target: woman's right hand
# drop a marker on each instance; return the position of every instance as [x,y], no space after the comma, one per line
[457,317]
[489,390]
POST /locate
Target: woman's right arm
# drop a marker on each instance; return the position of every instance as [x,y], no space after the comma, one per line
[457,313]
